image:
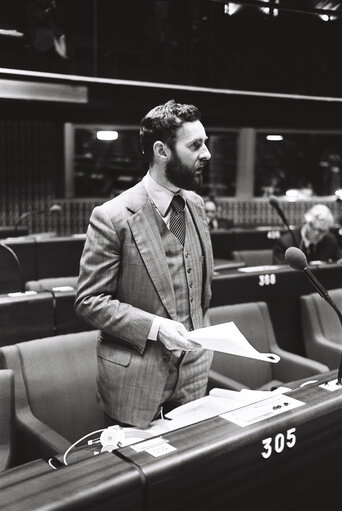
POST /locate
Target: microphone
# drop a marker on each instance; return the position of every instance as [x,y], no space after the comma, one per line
[275,204]
[55,208]
[296,259]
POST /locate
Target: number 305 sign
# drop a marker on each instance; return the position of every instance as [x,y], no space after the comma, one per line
[278,443]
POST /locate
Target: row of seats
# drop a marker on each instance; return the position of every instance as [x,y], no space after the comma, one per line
[55,379]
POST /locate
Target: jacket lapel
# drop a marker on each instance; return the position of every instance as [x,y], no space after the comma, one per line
[146,234]
[204,236]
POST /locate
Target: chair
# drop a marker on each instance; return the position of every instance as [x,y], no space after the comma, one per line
[55,392]
[253,257]
[322,332]
[234,372]
[11,273]
[6,418]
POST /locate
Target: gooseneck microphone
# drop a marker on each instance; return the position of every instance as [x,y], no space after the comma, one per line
[55,208]
[296,259]
[275,204]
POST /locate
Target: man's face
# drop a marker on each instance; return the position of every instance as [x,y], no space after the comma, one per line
[188,157]
[210,210]
[316,230]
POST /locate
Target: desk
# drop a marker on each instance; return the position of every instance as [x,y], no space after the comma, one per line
[44,257]
[24,317]
[100,483]
[225,241]
[24,248]
[9,230]
[218,465]
[280,462]
[58,257]
[280,289]
[66,319]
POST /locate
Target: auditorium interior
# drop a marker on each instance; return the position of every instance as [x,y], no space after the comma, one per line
[76,78]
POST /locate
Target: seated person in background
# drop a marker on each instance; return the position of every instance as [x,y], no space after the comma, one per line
[314,238]
[214,222]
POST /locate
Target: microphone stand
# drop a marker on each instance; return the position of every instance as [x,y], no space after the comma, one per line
[55,208]
[274,203]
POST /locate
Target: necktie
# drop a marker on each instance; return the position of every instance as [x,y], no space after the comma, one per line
[177,218]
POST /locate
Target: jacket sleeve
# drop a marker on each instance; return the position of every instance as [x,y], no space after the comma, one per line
[96,292]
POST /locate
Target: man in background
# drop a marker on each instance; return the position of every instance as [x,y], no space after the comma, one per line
[214,222]
[145,275]
[314,238]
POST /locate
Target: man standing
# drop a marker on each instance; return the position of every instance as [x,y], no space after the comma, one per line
[145,275]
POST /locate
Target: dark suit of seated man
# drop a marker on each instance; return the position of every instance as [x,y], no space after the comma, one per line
[215,222]
[314,238]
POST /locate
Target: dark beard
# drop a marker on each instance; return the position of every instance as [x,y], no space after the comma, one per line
[182,176]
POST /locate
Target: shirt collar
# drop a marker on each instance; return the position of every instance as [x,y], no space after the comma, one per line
[160,196]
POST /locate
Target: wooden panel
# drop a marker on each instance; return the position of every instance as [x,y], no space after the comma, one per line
[58,257]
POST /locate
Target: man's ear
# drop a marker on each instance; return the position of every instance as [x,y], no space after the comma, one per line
[161,151]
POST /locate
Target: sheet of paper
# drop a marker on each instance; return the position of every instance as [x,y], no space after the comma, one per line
[263,268]
[227,338]
[219,401]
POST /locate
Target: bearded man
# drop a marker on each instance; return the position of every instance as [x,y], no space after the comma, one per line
[145,276]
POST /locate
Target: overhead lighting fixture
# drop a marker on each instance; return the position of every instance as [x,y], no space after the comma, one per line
[10,33]
[230,8]
[327,6]
[292,194]
[270,11]
[274,138]
[322,8]
[107,135]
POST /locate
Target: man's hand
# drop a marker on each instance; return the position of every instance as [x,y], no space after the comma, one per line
[174,336]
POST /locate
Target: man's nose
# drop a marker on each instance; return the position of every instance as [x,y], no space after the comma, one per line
[205,154]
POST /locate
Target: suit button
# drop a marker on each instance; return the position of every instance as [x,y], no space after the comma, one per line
[189,270]
[166,358]
[190,285]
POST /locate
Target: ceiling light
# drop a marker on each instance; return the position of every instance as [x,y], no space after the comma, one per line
[274,138]
[107,135]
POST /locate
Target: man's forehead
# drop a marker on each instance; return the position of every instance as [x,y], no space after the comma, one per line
[191,131]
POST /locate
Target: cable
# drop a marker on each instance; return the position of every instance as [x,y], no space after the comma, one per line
[49,462]
[78,441]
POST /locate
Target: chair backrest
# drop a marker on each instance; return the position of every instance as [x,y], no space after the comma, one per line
[11,273]
[57,380]
[6,417]
[254,322]
[253,257]
[318,317]
[25,317]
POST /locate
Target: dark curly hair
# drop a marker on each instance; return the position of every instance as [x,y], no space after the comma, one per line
[162,123]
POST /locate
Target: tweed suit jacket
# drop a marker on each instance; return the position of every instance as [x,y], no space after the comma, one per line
[124,282]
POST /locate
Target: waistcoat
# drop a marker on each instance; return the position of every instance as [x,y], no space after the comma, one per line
[186,270]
